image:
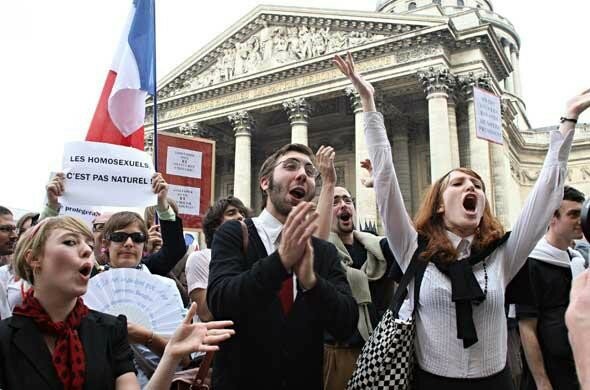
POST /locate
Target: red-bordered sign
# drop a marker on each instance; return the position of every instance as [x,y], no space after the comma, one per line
[188,165]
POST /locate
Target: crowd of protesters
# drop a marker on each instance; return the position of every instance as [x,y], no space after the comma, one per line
[288,297]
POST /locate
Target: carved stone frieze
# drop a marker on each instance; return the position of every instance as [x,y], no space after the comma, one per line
[148,142]
[242,122]
[297,109]
[355,99]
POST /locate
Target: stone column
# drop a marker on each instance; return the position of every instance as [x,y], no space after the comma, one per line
[479,151]
[516,73]
[509,81]
[298,110]
[243,125]
[437,86]
[366,204]
[401,159]
[453,130]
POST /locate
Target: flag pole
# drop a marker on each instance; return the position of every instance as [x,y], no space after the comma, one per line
[155,110]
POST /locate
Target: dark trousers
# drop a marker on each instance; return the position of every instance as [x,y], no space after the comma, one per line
[426,381]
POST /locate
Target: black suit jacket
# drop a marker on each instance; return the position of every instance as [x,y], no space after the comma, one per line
[25,360]
[173,248]
[271,350]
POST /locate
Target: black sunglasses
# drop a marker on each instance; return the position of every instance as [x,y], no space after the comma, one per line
[136,237]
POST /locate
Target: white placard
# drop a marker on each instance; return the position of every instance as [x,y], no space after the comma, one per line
[188,199]
[108,175]
[184,162]
[85,213]
[488,116]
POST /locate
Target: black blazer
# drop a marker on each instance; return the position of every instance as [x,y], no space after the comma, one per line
[271,350]
[173,248]
[25,360]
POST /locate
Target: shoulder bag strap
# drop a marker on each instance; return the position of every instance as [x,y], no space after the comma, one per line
[416,268]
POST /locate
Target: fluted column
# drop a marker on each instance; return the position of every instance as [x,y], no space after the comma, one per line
[509,81]
[298,110]
[243,125]
[401,160]
[479,150]
[366,204]
[453,131]
[437,84]
[516,73]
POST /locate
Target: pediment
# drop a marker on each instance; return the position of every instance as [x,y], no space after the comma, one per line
[274,37]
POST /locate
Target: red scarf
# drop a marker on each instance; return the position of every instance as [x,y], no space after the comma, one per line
[68,355]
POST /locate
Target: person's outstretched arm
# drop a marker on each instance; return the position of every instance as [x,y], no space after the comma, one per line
[577,319]
[325,162]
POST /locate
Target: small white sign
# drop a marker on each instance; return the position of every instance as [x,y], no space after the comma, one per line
[188,199]
[108,175]
[488,116]
[85,213]
[184,162]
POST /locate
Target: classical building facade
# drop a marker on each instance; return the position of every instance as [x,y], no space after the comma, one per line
[268,80]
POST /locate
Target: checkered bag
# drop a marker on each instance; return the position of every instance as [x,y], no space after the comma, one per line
[387,358]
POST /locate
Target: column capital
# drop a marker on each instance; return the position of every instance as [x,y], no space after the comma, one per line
[466,83]
[194,129]
[242,122]
[298,109]
[355,99]
[437,81]
[148,142]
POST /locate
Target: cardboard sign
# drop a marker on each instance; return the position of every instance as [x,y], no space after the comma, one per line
[488,116]
[107,175]
[188,165]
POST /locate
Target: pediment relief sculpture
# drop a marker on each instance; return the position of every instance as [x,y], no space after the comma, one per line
[275,46]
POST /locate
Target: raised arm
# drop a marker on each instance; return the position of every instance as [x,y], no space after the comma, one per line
[547,192]
[400,232]
[325,162]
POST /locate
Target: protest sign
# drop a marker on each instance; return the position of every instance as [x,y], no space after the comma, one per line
[107,175]
[488,116]
[85,213]
[188,165]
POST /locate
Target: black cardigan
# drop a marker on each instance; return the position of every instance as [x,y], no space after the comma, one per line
[269,350]
[25,360]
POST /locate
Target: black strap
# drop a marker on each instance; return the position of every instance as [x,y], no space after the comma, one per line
[416,269]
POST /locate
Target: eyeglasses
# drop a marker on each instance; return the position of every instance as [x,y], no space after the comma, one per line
[8,229]
[98,227]
[136,237]
[345,199]
[292,165]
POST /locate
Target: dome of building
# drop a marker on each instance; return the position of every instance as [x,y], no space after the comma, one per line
[403,6]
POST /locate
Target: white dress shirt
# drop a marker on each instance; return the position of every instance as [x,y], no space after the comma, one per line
[438,350]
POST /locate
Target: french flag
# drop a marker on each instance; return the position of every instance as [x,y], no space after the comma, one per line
[120,113]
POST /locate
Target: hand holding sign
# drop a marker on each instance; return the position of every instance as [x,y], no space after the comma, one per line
[55,188]
[160,188]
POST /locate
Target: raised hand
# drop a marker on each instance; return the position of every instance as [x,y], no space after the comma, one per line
[154,242]
[367,182]
[54,189]
[298,228]
[578,104]
[160,188]
[362,86]
[197,337]
[324,158]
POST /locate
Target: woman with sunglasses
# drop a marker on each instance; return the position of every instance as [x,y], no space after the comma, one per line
[54,341]
[461,336]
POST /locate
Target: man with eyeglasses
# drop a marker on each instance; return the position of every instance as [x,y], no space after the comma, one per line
[97,232]
[8,238]
[371,270]
[285,291]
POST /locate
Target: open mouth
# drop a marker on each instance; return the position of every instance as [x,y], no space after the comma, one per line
[297,193]
[345,217]
[470,203]
[85,270]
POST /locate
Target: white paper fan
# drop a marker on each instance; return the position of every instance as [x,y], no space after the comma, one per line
[148,300]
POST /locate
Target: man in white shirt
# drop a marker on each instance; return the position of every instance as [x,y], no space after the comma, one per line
[197,265]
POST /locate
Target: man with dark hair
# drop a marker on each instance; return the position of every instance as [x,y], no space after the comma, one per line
[197,265]
[284,290]
[552,265]
[8,232]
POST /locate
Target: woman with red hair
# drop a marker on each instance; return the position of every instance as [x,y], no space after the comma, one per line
[460,320]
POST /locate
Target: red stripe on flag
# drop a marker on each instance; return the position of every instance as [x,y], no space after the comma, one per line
[102,128]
